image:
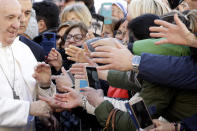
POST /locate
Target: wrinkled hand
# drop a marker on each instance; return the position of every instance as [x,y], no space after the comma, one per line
[77,54]
[113,58]
[42,74]
[79,70]
[55,59]
[173,33]
[108,42]
[62,80]
[52,102]
[163,126]
[94,97]
[40,108]
[69,100]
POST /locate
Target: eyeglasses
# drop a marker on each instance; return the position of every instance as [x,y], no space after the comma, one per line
[120,33]
[76,38]
[59,37]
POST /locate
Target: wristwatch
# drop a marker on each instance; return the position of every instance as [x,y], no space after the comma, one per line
[136,62]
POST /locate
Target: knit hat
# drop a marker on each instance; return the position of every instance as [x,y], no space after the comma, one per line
[141,24]
[122,7]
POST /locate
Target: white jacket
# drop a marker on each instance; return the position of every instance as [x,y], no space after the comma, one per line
[14,113]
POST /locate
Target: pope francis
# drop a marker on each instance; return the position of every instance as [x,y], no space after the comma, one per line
[21,78]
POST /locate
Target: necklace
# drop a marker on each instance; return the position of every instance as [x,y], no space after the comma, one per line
[9,82]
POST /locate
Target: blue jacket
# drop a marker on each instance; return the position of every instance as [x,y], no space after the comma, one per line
[179,72]
[191,123]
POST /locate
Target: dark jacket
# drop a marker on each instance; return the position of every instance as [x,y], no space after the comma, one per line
[36,49]
[183,69]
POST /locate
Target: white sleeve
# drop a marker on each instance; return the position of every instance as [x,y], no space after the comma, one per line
[116,103]
[13,113]
[89,108]
[120,104]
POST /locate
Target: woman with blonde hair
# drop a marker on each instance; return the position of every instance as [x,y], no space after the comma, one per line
[140,7]
[76,12]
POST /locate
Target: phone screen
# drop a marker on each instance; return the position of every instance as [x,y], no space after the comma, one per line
[93,77]
[97,24]
[142,114]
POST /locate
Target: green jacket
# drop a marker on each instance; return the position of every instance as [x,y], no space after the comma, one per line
[169,102]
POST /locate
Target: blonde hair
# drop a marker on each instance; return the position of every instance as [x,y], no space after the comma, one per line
[80,10]
[140,7]
[192,18]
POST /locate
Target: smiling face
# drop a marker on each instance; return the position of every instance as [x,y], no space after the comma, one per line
[75,37]
[26,6]
[10,14]
[117,12]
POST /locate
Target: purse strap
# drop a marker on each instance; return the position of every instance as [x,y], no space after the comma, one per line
[111,115]
[114,119]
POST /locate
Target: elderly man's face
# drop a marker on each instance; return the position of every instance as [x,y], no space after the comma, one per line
[26,6]
[10,14]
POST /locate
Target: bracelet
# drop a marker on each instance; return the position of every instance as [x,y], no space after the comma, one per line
[45,87]
[84,100]
[176,126]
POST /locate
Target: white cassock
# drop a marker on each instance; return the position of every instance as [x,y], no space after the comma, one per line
[14,114]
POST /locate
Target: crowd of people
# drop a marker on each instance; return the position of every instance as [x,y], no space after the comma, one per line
[145,49]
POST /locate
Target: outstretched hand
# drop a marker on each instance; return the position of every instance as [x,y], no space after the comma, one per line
[162,126]
[42,74]
[55,59]
[108,42]
[94,97]
[112,58]
[173,33]
[69,100]
[63,80]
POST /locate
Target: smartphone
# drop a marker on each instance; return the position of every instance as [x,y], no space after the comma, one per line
[48,42]
[92,76]
[80,83]
[106,11]
[174,3]
[141,114]
[97,24]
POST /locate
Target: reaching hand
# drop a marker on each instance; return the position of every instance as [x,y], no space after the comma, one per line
[108,42]
[173,33]
[42,74]
[113,58]
[163,126]
[63,80]
[51,102]
[94,97]
[55,59]
[40,108]
[79,70]
[69,100]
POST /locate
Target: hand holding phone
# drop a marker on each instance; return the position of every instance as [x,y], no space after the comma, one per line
[48,42]
[97,24]
[141,114]
[92,76]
